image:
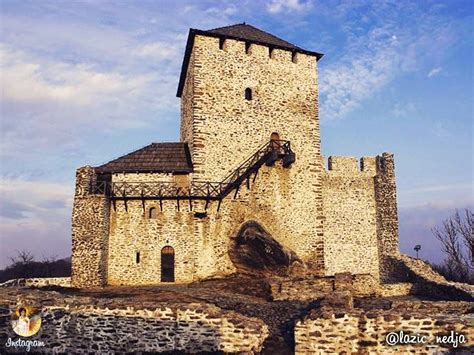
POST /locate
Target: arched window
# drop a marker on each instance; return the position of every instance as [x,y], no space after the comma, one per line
[167,264]
[152,213]
[275,139]
[248,94]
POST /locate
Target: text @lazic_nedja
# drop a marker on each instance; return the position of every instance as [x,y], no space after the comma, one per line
[453,339]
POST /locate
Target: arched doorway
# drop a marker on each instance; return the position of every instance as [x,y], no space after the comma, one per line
[275,139]
[167,264]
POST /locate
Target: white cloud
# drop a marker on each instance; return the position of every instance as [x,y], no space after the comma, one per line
[28,79]
[278,6]
[35,216]
[159,51]
[440,130]
[435,71]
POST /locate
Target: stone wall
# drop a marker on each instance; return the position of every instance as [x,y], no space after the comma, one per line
[350,227]
[387,216]
[132,231]
[356,331]
[90,233]
[189,328]
[301,290]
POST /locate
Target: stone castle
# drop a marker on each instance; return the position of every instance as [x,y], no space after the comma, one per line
[245,188]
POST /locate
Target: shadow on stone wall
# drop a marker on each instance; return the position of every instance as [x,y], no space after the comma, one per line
[254,251]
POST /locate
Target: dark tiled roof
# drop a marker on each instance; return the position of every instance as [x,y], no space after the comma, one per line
[156,157]
[241,32]
[253,34]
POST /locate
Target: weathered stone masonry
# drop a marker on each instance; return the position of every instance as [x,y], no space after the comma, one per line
[340,219]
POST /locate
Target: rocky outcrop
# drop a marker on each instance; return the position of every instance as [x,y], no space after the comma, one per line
[254,251]
[427,282]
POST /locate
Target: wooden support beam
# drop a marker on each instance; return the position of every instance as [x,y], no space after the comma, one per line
[143,202]
[115,205]
[207,204]
[177,202]
[219,205]
[255,176]
[236,191]
[125,201]
[190,204]
[161,204]
[248,182]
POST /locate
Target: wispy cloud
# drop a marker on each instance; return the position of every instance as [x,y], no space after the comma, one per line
[379,52]
[278,6]
[435,71]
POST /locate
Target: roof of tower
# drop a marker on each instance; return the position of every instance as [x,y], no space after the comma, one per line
[250,33]
[154,158]
[240,32]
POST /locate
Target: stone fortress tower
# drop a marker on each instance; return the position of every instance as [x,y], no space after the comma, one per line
[245,188]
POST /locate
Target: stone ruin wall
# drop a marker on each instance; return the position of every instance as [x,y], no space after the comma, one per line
[190,328]
[224,129]
[350,234]
[361,226]
[387,216]
[356,331]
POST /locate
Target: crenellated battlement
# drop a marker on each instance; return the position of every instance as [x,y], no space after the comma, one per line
[250,50]
[350,165]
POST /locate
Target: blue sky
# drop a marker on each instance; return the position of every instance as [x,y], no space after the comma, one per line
[83,82]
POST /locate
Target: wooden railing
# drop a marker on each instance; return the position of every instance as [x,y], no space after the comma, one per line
[267,154]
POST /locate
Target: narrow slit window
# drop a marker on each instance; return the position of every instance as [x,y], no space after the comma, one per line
[270,52]
[137,257]
[294,57]
[247,47]
[248,94]
[221,43]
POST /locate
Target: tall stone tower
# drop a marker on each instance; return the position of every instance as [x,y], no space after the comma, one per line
[238,86]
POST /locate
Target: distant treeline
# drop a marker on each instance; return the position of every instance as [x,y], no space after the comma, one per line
[24,265]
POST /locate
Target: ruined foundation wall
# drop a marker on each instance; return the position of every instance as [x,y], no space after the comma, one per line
[350,227]
[226,129]
[90,232]
[342,332]
[192,328]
